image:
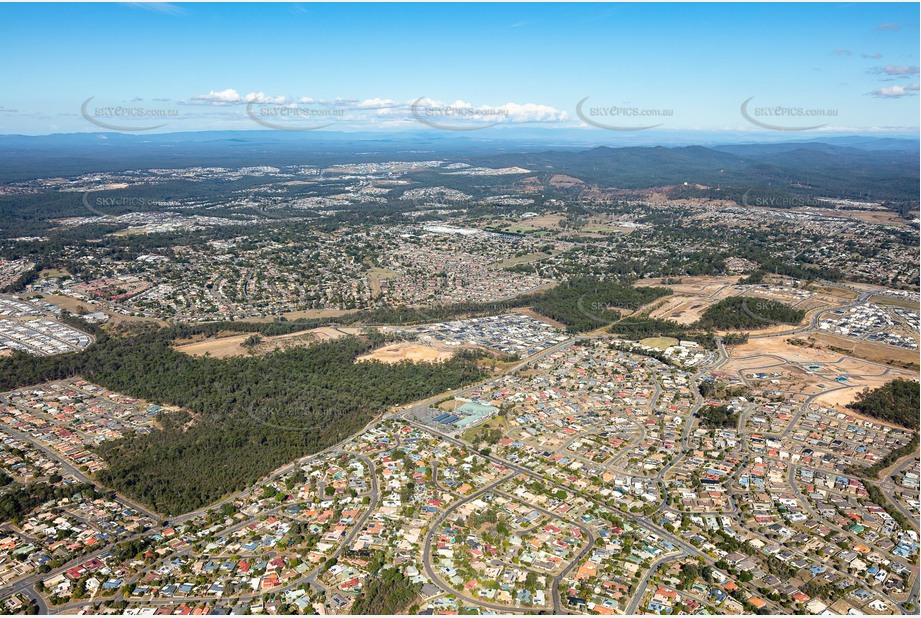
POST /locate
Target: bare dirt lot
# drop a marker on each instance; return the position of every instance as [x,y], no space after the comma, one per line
[681,309]
[414,352]
[834,376]
[232,345]
[691,297]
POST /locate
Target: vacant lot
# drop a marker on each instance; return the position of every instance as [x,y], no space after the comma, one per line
[833,291]
[414,352]
[691,297]
[525,259]
[307,314]
[232,345]
[869,350]
[834,376]
[376,275]
[681,309]
[894,302]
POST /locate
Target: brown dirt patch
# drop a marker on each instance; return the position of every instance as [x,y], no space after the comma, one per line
[776,354]
[414,352]
[230,346]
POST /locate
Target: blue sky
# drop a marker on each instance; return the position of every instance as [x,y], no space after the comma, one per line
[843,68]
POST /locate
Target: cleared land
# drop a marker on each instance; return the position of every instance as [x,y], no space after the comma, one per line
[404,351]
[868,350]
[376,275]
[833,291]
[835,377]
[691,297]
[525,259]
[894,302]
[232,345]
[307,314]
[681,309]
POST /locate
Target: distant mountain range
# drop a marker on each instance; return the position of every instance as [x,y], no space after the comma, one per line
[804,168]
[884,169]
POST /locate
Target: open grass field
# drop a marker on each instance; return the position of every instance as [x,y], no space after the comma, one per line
[525,259]
[53,273]
[894,302]
[376,275]
[660,343]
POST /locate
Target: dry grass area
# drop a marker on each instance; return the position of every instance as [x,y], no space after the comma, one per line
[681,309]
[660,343]
[231,345]
[307,314]
[525,259]
[868,350]
[832,291]
[83,306]
[406,350]
[545,220]
[878,217]
[894,302]
[561,181]
[376,275]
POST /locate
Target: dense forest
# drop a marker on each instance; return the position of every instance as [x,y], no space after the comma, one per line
[586,304]
[896,402]
[249,415]
[641,326]
[742,312]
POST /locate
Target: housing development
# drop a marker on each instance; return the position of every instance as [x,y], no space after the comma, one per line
[402,309]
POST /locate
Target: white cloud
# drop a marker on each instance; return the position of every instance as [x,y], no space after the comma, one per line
[899,70]
[895,92]
[533,112]
[376,103]
[508,112]
[229,96]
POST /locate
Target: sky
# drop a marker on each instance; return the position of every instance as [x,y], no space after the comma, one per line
[793,70]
